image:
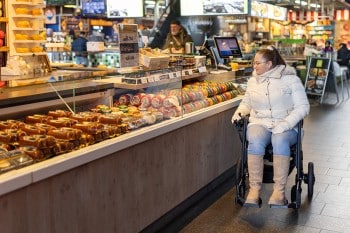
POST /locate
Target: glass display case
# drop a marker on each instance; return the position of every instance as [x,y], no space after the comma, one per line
[75,109]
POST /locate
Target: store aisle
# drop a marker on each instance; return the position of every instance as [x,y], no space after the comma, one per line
[327,144]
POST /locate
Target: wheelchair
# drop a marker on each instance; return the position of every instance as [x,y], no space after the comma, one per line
[296,161]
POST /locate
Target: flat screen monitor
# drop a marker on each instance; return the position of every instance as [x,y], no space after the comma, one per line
[124,9]
[93,8]
[228,47]
[212,7]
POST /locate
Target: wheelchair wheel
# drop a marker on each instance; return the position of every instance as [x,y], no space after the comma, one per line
[293,193]
[310,180]
[296,197]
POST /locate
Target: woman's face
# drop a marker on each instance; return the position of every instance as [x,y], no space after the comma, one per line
[260,64]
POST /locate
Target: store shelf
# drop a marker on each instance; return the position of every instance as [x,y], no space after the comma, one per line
[29,41]
[28,17]
[30,4]
[4,49]
[29,54]
[152,80]
[28,29]
[3,20]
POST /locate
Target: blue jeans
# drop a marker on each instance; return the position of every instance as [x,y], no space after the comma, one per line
[259,137]
[80,60]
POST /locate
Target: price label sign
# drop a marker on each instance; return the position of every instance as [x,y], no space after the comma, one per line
[156,78]
[151,79]
[144,80]
[202,69]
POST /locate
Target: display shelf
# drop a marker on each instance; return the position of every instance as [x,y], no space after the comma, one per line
[152,80]
[28,17]
[4,49]
[30,4]
[25,18]
[29,41]
[322,31]
[29,54]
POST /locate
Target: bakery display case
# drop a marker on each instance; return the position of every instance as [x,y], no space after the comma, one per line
[100,107]
[136,128]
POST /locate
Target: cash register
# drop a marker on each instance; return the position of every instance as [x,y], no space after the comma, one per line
[221,50]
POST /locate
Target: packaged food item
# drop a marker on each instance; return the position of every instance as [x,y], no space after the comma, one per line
[23,24]
[22,50]
[20,158]
[6,163]
[22,11]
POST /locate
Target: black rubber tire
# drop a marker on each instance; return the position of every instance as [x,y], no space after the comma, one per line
[293,193]
[310,180]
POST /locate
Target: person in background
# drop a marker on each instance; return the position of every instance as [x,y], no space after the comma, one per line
[276,100]
[177,38]
[311,48]
[72,34]
[328,47]
[80,49]
[343,55]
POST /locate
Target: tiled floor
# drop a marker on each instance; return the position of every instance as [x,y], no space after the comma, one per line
[327,144]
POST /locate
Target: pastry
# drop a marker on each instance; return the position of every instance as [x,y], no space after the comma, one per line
[113,119]
[32,130]
[59,113]
[33,152]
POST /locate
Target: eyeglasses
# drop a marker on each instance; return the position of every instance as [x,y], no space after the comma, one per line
[258,62]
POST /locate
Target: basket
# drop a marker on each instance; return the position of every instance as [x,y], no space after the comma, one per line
[153,60]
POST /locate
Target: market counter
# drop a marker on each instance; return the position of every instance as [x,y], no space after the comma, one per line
[122,184]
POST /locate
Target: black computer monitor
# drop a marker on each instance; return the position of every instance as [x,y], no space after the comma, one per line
[227,46]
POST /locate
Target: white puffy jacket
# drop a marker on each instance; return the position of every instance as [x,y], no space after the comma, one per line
[275,99]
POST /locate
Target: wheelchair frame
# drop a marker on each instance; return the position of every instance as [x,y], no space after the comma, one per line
[296,161]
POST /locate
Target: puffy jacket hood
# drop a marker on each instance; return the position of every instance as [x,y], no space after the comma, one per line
[276,72]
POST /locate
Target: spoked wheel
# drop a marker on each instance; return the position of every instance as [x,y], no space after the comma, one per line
[310,180]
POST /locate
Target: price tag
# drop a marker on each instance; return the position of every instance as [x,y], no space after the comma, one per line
[156,78]
[178,74]
[144,80]
[151,79]
[202,69]
[171,75]
[190,72]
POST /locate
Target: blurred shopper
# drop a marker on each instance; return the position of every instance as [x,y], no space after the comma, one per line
[343,55]
[328,47]
[80,49]
[177,38]
[311,48]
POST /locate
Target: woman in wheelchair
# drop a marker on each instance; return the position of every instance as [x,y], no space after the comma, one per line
[276,101]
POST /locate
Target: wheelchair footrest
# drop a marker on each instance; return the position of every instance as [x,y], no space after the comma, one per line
[279,206]
[252,205]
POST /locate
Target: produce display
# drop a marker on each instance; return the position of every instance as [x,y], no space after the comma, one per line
[41,136]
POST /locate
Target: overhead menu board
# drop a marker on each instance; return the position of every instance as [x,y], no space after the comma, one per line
[264,10]
[213,7]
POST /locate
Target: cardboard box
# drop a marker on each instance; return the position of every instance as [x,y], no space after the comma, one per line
[95,46]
